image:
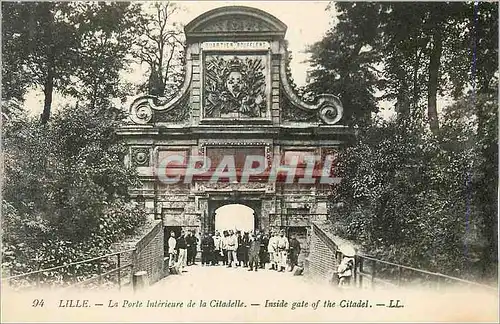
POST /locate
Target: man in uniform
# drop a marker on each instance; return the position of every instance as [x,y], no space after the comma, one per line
[282,248]
[272,250]
[263,256]
[217,249]
[172,243]
[192,243]
[182,252]
[232,246]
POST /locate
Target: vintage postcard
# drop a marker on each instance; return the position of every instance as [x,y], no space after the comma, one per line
[249,161]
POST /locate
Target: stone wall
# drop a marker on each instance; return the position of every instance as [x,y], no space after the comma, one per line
[148,254]
[321,263]
[325,252]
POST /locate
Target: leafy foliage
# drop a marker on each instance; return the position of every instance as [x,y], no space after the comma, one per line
[65,194]
[159,44]
[417,199]
[75,47]
[344,61]
[408,52]
[417,196]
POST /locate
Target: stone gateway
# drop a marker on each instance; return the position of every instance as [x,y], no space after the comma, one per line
[236,100]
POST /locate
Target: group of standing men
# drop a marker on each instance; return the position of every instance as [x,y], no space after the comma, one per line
[182,250]
[235,249]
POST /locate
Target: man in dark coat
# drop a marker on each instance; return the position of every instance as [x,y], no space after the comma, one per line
[294,247]
[263,254]
[253,252]
[192,243]
[245,245]
[239,249]
[207,248]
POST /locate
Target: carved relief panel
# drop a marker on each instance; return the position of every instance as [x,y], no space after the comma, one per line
[236,80]
[140,156]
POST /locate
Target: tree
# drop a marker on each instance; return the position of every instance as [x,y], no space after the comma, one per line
[74,47]
[412,52]
[414,195]
[160,45]
[107,32]
[66,188]
[44,45]
[345,60]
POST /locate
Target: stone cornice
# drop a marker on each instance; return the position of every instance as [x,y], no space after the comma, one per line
[208,131]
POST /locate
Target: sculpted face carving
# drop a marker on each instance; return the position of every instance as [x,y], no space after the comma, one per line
[234,83]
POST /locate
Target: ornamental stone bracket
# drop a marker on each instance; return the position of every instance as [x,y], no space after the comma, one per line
[151,109]
[147,109]
[328,108]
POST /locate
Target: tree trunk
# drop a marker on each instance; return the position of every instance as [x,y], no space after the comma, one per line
[416,65]
[402,103]
[48,87]
[434,64]
[94,95]
[48,90]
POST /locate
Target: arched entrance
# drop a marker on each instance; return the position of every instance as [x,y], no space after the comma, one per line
[234,217]
[226,214]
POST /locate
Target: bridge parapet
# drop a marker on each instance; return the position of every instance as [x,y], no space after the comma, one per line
[106,271]
[326,254]
[148,254]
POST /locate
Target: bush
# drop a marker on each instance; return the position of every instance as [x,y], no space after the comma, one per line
[417,199]
[66,191]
